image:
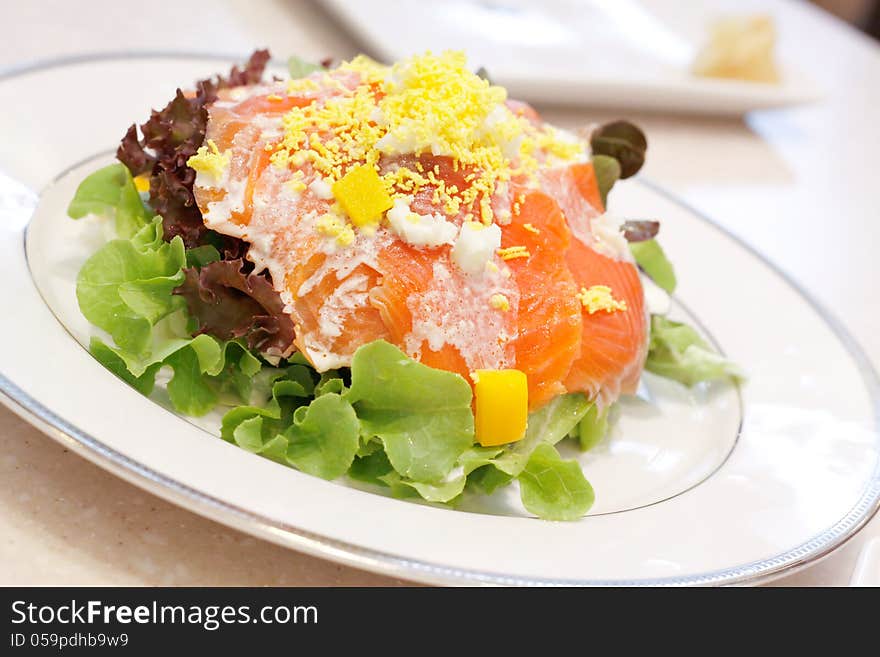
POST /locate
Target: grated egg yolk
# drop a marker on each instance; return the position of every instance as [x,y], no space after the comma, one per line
[331,225]
[209,160]
[426,105]
[499,302]
[513,252]
[599,297]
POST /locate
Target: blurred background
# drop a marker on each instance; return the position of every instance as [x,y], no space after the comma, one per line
[650,55]
[864,14]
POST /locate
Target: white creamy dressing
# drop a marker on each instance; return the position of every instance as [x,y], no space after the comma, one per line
[350,294]
[455,311]
[608,239]
[562,188]
[343,261]
[319,354]
[220,212]
[273,225]
[270,127]
[268,252]
[657,300]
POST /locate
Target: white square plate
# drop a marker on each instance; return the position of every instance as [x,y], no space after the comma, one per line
[623,54]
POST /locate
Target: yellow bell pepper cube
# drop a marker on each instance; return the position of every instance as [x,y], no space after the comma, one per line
[502,406]
[142,183]
[362,195]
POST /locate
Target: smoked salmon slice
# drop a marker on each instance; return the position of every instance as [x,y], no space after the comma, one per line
[549,319]
[613,345]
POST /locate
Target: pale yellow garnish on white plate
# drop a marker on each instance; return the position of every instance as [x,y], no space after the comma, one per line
[741,48]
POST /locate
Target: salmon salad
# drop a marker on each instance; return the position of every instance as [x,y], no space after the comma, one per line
[391,273]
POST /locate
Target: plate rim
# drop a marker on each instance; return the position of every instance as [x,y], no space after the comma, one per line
[177,492]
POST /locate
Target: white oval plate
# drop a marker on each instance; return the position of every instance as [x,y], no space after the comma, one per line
[682,497]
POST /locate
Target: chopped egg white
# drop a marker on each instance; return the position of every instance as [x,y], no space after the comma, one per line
[400,141]
[475,246]
[321,188]
[509,140]
[608,236]
[429,230]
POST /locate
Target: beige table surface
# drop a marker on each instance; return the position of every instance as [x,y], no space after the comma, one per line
[809,173]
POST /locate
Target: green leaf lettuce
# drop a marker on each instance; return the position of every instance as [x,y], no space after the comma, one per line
[323,438]
[111,192]
[553,488]
[651,258]
[678,352]
[125,289]
[422,415]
